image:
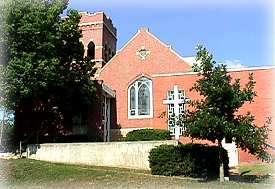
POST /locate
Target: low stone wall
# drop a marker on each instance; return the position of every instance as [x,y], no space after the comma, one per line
[132,155]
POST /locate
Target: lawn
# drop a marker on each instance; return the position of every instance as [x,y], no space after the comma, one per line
[256,169]
[26,173]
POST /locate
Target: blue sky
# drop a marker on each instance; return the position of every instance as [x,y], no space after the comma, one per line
[236,32]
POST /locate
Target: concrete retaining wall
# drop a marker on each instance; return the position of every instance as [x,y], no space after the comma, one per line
[132,155]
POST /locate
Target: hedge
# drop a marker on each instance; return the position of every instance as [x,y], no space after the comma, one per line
[194,160]
[147,134]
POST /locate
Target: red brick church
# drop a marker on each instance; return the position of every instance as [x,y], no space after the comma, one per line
[146,77]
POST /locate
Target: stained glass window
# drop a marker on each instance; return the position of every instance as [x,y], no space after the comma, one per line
[143,100]
[140,98]
[132,101]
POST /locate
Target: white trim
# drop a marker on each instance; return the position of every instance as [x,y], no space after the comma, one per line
[229,70]
[91,13]
[251,68]
[126,44]
[99,22]
[173,74]
[108,90]
[90,23]
[98,60]
[167,46]
[140,116]
[136,116]
[98,47]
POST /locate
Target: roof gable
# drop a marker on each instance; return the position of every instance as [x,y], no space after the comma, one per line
[160,57]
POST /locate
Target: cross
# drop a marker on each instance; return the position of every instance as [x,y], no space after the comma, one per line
[176,102]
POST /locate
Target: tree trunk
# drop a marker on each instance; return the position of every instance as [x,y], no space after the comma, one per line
[221,162]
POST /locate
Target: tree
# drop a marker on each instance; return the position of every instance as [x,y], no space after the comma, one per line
[215,116]
[46,77]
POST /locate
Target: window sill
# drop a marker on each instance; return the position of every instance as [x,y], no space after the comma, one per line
[140,117]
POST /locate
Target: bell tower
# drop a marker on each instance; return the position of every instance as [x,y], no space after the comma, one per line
[99,37]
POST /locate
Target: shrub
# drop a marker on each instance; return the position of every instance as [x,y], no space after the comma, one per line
[147,134]
[194,160]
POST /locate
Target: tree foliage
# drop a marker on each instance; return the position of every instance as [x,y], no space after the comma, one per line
[216,116]
[42,59]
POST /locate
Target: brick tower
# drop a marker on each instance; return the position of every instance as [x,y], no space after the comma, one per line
[99,37]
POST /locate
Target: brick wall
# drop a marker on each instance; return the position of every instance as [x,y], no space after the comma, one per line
[159,66]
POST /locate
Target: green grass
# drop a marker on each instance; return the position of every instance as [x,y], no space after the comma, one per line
[257,169]
[25,173]
[255,173]
[25,170]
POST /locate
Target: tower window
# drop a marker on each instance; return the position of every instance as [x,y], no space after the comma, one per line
[91,51]
[110,53]
[106,52]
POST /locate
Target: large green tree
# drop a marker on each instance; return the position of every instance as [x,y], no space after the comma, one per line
[46,78]
[215,116]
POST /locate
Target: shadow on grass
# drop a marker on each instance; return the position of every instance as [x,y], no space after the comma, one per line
[249,178]
[243,177]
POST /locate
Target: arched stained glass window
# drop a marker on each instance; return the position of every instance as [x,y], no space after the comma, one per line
[143,100]
[132,101]
[140,99]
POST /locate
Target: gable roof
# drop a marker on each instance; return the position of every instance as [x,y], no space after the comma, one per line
[144,29]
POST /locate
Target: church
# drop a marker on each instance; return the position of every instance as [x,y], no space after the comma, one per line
[146,82]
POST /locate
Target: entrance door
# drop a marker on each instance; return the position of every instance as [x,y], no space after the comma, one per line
[106,119]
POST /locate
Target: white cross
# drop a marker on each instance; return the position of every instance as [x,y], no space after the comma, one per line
[177,101]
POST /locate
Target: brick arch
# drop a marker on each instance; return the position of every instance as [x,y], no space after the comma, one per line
[148,113]
[137,77]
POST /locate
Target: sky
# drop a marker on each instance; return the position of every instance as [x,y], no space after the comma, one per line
[236,32]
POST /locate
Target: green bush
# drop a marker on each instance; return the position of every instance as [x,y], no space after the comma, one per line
[147,134]
[194,160]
